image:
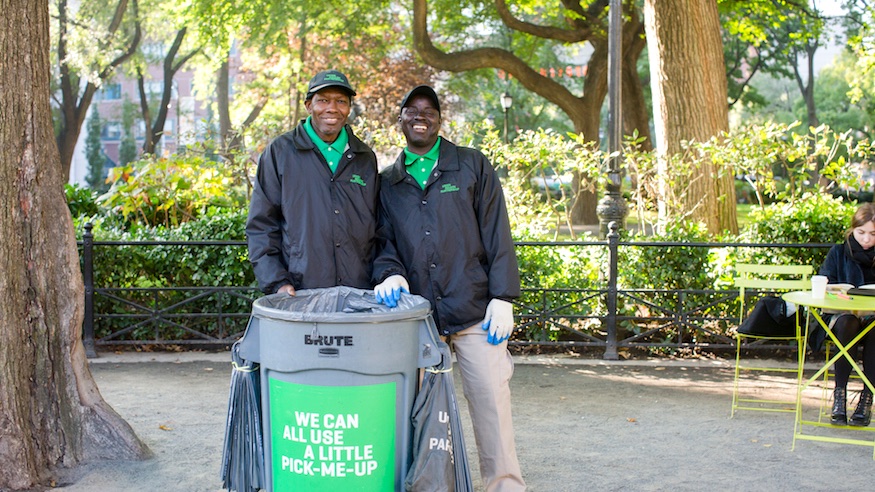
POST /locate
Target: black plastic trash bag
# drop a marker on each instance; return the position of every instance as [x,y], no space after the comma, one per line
[440,463]
[243,454]
[769,319]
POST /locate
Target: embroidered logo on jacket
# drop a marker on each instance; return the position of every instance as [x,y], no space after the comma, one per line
[449,188]
[357,180]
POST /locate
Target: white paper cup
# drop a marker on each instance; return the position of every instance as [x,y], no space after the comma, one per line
[818,286]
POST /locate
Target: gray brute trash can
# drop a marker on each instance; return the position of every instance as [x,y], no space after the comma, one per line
[339,374]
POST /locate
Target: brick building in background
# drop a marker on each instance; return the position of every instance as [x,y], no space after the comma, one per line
[189,117]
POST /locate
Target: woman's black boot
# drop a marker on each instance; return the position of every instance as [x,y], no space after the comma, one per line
[839,407]
[863,414]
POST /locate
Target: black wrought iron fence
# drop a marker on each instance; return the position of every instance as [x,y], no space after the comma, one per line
[599,314]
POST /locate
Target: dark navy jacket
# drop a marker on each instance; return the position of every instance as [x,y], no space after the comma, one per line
[841,268]
[308,227]
[452,240]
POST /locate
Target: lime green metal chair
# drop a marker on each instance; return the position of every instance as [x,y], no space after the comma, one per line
[766,278]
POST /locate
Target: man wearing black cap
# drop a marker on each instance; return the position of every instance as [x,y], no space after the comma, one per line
[444,228]
[312,216]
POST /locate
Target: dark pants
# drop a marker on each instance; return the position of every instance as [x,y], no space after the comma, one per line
[846,327]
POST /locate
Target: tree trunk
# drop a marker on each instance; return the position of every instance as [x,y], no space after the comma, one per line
[145,113]
[688,82]
[806,85]
[584,199]
[170,67]
[51,413]
[636,116]
[223,100]
[232,138]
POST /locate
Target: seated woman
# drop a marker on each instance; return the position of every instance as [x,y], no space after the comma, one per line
[853,262]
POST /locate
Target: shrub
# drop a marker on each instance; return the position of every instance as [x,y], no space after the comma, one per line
[556,267]
[81,200]
[816,218]
[153,266]
[169,192]
[170,266]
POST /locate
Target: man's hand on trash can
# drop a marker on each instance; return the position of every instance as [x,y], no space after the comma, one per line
[389,291]
[498,320]
[287,289]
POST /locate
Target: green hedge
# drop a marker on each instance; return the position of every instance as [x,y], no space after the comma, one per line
[156,267]
[819,219]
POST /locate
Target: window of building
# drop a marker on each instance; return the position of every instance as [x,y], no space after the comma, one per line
[109,92]
[155,50]
[112,131]
[154,89]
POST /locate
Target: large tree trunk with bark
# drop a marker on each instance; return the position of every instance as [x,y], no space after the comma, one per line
[51,412]
[690,103]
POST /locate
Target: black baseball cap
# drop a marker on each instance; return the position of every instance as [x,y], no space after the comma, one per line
[329,78]
[422,90]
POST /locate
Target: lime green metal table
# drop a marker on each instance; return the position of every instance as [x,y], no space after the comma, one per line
[852,304]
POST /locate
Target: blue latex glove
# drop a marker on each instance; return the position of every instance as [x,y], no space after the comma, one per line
[389,291]
[498,321]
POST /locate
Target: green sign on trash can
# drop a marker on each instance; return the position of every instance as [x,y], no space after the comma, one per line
[333,437]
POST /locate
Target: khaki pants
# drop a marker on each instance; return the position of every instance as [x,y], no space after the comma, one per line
[486,370]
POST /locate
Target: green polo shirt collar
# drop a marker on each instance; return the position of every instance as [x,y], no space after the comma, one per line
[420,166]
[332,152]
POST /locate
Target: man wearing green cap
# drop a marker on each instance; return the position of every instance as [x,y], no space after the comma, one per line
[444,234]
[312,216]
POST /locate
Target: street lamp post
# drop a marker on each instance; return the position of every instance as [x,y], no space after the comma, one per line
[611,210]
[506,103]
[612,207]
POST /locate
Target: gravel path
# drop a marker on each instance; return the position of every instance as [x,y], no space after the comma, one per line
[580,425]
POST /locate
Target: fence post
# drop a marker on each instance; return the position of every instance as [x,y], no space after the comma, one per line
[613,245]
[88,279]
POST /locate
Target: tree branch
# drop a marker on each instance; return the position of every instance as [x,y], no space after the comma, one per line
[461,61]
[747,79]
[119,15]
[132,46]
[576,35]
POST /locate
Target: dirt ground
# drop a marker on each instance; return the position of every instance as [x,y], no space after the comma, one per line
[580,425]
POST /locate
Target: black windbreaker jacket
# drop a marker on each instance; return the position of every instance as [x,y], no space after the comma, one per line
[451,241]
[307,227]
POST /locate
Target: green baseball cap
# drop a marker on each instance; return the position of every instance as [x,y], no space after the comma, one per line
[329,78]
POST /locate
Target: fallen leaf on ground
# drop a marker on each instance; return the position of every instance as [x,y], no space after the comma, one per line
[165,428]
